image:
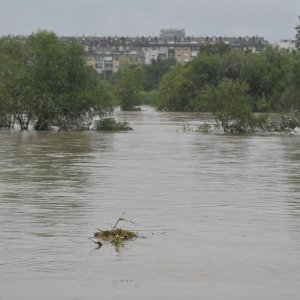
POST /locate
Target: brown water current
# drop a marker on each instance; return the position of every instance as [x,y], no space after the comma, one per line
[221,214]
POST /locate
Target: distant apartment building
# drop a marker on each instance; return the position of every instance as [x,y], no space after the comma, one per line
[108,54]
[183,55]
[155,52]
[287,44]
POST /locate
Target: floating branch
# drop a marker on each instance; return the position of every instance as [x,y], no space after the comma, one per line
[96,242]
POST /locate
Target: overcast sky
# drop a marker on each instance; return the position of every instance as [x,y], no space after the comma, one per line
[272,19]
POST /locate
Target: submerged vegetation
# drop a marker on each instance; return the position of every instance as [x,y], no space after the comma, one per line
[128,87]
[264,82]
[115,236]
[234,85]
[110,124]
[46,82]
[284,124]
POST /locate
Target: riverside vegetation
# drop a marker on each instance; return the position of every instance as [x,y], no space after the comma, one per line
[110,124]
[45,82]
[238,87]
[233,85]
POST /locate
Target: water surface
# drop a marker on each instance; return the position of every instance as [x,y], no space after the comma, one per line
[221,214]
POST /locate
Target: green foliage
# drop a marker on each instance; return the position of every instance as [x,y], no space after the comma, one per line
[298,35]
[290,98]
[230,64]
[231,105]
[128,86]
[266,75]
[263,105]
[46,82]
[154,72]
[15,80]
[205,69]
[150,98]
[112,125]
[176,90]
[272,78]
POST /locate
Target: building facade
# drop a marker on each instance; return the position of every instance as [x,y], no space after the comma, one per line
[288,45]
[108,54]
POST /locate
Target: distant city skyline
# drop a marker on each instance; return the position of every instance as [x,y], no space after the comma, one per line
[271,19]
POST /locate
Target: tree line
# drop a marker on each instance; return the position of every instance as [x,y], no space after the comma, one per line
[268,81]
[265,82]
[45,82]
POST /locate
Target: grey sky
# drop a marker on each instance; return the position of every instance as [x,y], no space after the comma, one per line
[272,19]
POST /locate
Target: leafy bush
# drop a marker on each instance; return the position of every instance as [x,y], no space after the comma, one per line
[112,124]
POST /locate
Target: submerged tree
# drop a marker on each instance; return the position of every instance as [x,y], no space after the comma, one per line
[128,87]
[176,90]
[45,82]
[231,105]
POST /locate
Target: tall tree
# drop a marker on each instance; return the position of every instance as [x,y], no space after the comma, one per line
[298,34]
[176,90]
[128,86]
[230,102]
[15,81]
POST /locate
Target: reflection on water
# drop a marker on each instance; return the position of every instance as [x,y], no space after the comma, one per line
[221,214]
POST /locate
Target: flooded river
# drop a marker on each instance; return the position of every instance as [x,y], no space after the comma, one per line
[220,214]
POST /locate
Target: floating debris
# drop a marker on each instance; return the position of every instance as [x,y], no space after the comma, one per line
[108,235]
[116,236]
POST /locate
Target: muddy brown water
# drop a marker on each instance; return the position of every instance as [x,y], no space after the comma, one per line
[221,214]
